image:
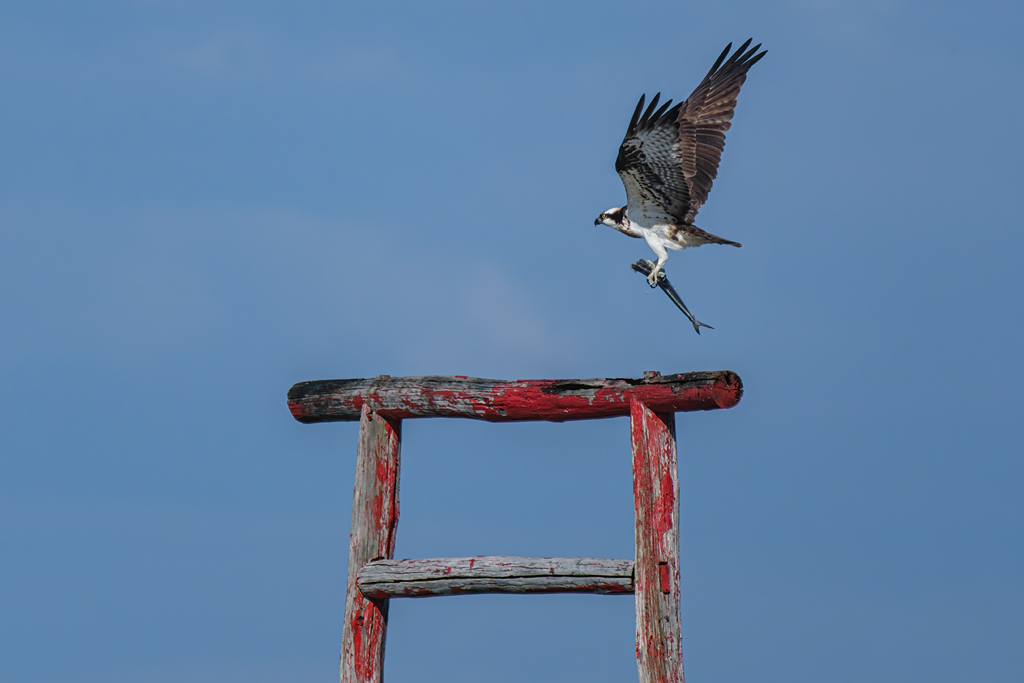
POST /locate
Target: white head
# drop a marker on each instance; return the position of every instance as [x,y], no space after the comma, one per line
[613,218]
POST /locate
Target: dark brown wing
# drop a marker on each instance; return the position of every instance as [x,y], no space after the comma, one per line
[670,155]
[648,163]
[704,118]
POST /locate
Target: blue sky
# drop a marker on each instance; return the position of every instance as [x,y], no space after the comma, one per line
[203,203]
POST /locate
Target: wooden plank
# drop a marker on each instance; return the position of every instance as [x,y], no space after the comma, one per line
[494,574]
[374,523]
[502,401]
[659,649]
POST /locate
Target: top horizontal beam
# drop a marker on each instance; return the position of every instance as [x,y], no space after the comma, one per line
[340,400]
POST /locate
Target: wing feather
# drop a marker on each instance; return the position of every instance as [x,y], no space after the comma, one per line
[669,158]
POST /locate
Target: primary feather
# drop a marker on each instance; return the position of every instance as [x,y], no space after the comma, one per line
[669,157]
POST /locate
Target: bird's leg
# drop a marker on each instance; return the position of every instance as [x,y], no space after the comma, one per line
[662,253]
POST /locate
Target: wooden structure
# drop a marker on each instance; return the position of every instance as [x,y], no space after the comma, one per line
[374,577]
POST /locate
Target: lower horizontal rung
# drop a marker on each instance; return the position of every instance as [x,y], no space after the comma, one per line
[494,574]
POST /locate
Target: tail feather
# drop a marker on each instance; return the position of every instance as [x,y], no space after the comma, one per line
[706,236]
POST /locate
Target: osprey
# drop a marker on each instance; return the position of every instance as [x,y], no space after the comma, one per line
[670,156]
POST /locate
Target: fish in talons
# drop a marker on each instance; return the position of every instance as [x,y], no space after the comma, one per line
[645,267]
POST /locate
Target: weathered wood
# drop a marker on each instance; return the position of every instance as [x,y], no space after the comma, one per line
[500,401]
[659,648]
[494,574]
[374,522]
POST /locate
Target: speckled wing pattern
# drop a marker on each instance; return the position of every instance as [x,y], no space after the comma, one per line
[670,155]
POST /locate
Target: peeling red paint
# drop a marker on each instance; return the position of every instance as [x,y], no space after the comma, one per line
[361,665]
[651,402]
[499,401]
[664,504]
[659,652]
[373,536]
[665,577]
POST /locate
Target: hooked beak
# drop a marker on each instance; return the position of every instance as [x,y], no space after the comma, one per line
[597,221]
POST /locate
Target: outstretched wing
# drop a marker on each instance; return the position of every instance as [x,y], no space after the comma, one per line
[670,155]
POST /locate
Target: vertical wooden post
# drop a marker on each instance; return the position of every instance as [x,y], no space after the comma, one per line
[659,648]
[374,522]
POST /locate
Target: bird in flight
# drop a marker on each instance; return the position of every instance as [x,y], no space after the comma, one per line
[670,156]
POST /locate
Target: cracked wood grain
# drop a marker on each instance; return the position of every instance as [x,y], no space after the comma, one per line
[659,648]
[494,574]
[399,398]
[374,523]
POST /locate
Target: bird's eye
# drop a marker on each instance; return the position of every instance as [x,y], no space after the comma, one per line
[603,216]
